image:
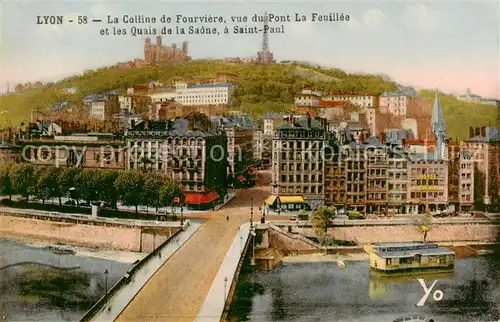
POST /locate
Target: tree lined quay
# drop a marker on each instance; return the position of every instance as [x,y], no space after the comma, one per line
[92,186]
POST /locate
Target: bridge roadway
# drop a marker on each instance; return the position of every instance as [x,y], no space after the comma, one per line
[178,289]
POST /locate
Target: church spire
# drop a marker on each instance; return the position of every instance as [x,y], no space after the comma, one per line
[438,124]
[439,127]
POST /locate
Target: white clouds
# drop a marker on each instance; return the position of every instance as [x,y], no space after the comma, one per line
[368,18]
[301,28]
[372,17]
[99,9]
[421,17]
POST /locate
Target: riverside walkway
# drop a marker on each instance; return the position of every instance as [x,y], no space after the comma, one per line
[177,291]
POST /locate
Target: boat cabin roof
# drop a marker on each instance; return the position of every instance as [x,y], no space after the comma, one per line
[439,251]
[391,247]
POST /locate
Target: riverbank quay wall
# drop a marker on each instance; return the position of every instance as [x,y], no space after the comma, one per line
[386,231]
[85,230]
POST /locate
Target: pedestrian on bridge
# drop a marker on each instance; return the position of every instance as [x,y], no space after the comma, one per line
[227,218]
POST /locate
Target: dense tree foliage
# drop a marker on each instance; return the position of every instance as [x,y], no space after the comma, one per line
[322,218]
[132,188]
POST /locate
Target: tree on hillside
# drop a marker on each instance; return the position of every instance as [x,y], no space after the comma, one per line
[322,218]
[5,183]
[22,179]
[130,186]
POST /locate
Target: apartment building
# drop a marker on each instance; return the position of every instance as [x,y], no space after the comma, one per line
[87,150]
[362,100]
[355,178]
[239,132]
[466,184]
[376,176]
[190,151]
[368,103]
[10,153]
[308,97]
[206,94]
[298,164]
[272,122]
[258,144]
[427,183]
[397,180]
[484,148]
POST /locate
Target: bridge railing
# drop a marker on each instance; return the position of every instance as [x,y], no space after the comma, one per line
[97,307]
[46,215]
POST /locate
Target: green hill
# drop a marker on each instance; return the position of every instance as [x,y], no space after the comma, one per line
[263,88]
[459,116]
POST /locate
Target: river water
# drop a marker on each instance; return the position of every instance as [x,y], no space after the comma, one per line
[323,291]
[42,283]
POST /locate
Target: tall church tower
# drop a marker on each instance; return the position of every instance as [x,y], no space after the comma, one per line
[439,127]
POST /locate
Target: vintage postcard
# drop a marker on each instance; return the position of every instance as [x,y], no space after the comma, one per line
[250,161]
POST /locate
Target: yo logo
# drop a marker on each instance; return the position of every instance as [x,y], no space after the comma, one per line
[438,294]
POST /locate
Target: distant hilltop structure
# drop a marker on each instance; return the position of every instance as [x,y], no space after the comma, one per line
[474,98]
[158,53]
[265,56]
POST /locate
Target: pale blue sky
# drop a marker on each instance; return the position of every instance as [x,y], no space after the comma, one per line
[452,45]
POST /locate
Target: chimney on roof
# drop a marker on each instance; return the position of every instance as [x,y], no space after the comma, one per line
[292,120]
[190,125]
[158,40]
[308,121]
[146,125]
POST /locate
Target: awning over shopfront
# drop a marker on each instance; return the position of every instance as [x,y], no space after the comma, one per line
[197,198]
[270,200]
[284,200]
[291,199]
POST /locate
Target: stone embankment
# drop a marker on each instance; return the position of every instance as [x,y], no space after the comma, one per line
[129,235]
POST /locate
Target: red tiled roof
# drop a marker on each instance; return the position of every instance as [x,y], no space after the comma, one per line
[418,142]
[352,94]
[332,103]
[196,198]
[306,95]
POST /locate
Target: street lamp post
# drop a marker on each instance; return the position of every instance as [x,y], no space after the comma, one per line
[278,198]
[225,290]
[251,215]
[106,281]
[182,217]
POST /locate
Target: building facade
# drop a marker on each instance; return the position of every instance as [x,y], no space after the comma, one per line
[298,163]
[188,150]
[92,150]
[209,94]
